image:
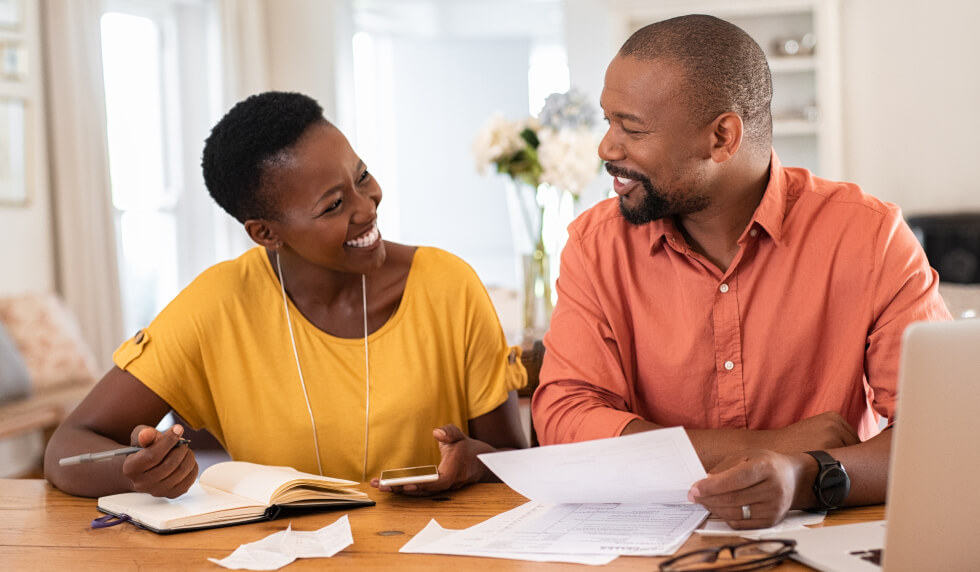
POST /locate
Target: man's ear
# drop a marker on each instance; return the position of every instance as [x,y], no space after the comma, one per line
[260,231]
[726,136]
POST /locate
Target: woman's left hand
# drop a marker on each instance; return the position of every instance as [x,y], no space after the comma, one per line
[459,466]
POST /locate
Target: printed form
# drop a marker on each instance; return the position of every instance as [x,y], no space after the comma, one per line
[590,502]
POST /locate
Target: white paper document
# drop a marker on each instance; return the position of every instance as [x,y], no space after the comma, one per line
[546,531]
[281,548]
[795,520]
[427,541]
[610,497]
[650,467]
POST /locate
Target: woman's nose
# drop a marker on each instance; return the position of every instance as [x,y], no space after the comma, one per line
[366,203]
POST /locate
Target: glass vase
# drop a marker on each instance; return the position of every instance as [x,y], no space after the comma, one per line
[536,299]
[538,216]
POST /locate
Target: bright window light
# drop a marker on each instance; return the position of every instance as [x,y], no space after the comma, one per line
[131,63]
[546,74]
[132,58]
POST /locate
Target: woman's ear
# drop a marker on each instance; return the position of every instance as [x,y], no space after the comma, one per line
[262,233]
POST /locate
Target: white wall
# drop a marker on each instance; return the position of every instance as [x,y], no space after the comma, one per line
[911,89]
[27,251]
[446,88]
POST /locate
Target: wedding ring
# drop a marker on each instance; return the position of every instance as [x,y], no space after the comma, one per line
[746,512]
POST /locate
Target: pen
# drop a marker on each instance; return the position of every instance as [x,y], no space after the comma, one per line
[106,455]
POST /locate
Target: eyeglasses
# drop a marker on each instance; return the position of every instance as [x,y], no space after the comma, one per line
[752,555]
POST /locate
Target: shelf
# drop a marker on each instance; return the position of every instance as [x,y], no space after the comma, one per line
[792,64]
[794,127]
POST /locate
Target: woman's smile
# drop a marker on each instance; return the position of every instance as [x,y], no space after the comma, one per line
[369,238]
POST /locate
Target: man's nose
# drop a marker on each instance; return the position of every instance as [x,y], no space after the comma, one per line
[610,149]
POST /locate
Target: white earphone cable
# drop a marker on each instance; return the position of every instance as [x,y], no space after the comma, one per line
[367,378]
[299,369]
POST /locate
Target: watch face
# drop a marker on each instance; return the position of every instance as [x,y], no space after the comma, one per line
[834,484]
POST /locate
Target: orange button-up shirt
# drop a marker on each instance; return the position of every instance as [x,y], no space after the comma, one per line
[808,318]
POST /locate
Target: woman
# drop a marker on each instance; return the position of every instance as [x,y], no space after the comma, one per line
[325,348]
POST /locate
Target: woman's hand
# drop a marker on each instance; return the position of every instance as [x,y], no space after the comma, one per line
[459,466]
[164,468]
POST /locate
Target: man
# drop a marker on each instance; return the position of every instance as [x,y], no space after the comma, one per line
[760,307]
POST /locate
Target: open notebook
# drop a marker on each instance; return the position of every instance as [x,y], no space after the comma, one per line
[933,497]
[235,492]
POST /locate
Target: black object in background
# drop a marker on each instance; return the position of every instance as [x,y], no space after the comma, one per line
[952,243]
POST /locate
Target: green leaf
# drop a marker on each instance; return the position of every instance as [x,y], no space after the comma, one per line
[531,137]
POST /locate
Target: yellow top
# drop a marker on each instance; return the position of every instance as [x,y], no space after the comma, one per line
[220,355]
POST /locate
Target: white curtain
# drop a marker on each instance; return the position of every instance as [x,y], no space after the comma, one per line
[244,51]
[244,71]
[85,244]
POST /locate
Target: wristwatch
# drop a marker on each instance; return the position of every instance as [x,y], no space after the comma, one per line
[832,484]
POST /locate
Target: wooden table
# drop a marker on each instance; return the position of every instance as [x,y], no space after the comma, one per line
[42,528]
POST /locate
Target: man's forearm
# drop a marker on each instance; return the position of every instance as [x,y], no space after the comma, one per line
[867,466]
[711,445]
[825,431]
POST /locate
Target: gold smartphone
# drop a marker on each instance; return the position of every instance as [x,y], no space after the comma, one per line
[409,476]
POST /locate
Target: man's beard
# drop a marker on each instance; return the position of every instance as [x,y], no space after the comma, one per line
[655,204]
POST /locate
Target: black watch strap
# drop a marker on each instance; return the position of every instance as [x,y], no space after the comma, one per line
[832,484]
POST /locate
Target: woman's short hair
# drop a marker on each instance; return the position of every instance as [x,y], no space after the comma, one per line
[246,141]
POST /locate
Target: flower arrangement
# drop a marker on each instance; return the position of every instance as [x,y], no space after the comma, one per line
[551,155]
[557,148]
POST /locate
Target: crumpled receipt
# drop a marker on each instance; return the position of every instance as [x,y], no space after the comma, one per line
[279,549]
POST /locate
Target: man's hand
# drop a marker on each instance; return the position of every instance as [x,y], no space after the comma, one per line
[163,468]
[459,466]
[764,481]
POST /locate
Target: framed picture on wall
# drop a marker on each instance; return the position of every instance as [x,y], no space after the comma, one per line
[13,151]
[10,14]
[13,61]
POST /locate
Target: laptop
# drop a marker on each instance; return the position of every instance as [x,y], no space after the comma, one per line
[933,499]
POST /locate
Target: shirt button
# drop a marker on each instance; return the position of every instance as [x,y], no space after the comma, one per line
[723,288]
[729,365]
[753,232]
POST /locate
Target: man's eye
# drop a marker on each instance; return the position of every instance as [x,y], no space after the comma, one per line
[364,176]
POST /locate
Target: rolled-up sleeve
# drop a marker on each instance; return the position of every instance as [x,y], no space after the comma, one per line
[906,291]
[584,391]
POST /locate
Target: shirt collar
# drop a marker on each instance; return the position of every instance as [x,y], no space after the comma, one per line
[772,208]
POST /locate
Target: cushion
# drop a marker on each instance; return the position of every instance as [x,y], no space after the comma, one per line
[48,338]
[15,382]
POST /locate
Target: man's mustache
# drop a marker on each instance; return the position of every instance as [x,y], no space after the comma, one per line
[616,171]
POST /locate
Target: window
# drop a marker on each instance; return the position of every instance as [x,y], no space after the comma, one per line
[156,180]
[143,193]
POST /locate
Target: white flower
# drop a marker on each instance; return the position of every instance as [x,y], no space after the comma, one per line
[498,138]
[568,158]
[568,110]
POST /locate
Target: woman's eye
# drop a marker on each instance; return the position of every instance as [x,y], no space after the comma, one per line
[364,176]
[333,206]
